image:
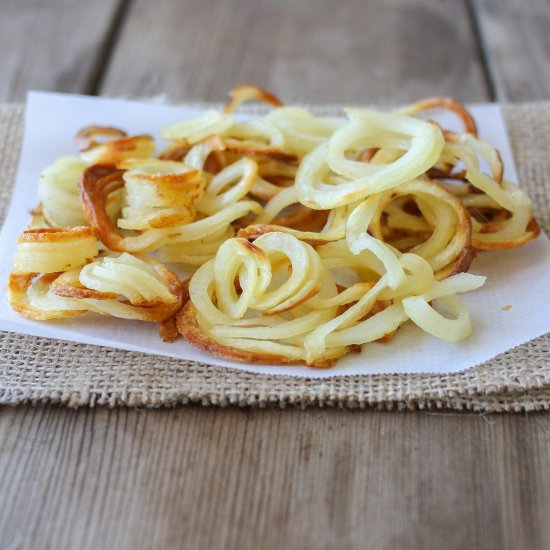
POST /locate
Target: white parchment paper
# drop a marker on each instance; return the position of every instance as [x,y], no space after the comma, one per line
[517,278]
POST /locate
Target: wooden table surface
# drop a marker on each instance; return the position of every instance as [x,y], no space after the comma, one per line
[227,478]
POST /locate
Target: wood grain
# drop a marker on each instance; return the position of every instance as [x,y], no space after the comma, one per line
[213,478]
[517,47]
[52,44]
[312,50]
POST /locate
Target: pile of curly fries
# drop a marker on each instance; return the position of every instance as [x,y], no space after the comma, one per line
[310,236]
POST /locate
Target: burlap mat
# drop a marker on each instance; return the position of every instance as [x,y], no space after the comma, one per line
[44,370]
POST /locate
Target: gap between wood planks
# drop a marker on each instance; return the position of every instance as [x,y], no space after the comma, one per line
[98,72]
[482,50]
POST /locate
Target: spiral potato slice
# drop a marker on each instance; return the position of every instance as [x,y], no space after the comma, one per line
[217,195]
[109,145]
[421,141]
[160,204]
[445,104]
[122,286]
[255,265]
[56,307]
[58,190]
[246,92]
[427,318]
[519,225]
[160,194]
[54,250]
[444,216]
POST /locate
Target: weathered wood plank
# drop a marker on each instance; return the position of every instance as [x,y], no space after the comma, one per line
[312,50]
[52,44]
[213,478]
[517,47]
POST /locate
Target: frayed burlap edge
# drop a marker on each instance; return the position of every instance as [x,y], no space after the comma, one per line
[42,370]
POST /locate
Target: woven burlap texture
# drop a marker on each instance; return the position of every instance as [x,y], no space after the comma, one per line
[41,370]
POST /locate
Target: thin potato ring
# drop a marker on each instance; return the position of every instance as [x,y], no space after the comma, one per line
[188,327]
[18,286]
[159,194]
[97,183]
[446,103]
[426,143]
[431,321]
[364,179]
[85,137]
[449,253]
[51,250]
[217,196]
[247,92]
[118,149]
[40,298]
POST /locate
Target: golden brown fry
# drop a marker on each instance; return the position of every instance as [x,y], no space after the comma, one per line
[117,145]
[497,168]
[56,296]
[247,92]
[86,137]
[54,234]
[18,286]
[97,183]
[51,250]
[186,322]
[445,103]
[532,231]
[440,211]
